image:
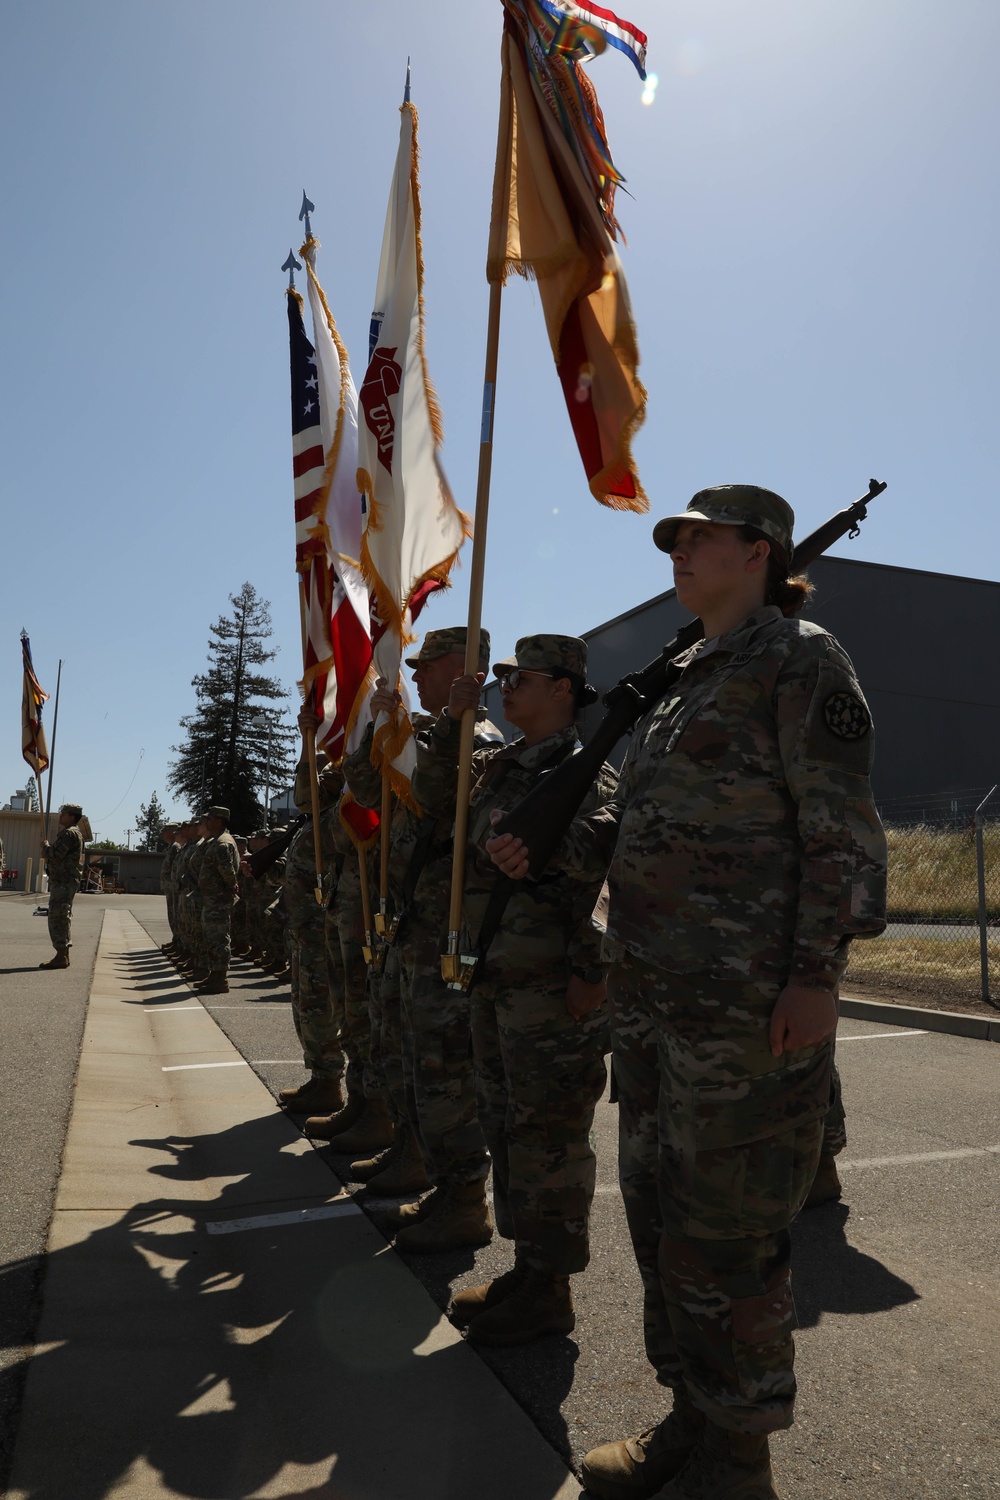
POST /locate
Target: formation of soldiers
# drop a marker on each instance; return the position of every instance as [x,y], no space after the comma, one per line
[694,922]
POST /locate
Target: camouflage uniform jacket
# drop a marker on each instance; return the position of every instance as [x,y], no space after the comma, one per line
[218,869]
[195,853]
[748,845]
[557,919]
[409,826]
[167,867]
[300,861]
[65,860]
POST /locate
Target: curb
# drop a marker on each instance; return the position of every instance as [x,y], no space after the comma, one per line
[955,1023]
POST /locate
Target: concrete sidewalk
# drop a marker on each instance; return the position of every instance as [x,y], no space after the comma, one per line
[218,1318]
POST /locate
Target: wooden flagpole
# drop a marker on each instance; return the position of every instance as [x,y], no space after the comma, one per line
[451,966]
[384,832]
[310,739]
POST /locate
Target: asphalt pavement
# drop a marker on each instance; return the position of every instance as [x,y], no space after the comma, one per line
[896,1287]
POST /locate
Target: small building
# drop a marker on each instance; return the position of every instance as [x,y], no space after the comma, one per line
[925,648]
[21,836]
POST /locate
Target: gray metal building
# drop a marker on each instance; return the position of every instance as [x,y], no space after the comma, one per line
[925,646]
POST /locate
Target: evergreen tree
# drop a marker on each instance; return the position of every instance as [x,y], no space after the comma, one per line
[225,753]
[149,821]
[31,787]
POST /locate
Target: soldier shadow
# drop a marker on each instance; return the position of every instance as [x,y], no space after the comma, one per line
[211,1362]
[830,1276]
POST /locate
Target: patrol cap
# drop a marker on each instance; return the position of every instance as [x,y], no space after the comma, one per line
[734,505]
[215,812]
[73,808]
[560,655]
[443,642]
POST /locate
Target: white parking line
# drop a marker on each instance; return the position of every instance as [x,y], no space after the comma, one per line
[877,1036]
[918,1157]
[189,1067]
[296,1216]
[158,1010]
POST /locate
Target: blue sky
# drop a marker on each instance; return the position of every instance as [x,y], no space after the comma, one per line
[811,247]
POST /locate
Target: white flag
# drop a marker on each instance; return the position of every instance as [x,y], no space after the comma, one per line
[413,528]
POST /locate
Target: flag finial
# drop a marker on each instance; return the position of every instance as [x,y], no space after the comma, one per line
[304,212]
[291,266]
[406,91]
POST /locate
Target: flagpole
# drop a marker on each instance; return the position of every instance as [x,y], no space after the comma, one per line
[450,962]
[310,739]
[52,752]
[385,821]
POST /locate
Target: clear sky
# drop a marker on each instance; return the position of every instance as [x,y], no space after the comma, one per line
[811,253]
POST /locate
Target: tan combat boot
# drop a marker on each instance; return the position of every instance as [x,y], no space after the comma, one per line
[724,1466]
[370,1166]
[325,1127]
[59,960]
[217,983]
[371,1132]
[458,1216]
[404,1215]
[404,1173]
[320,1094]
[468,1304]
[638,1467]
[543,1303]
[826,1186]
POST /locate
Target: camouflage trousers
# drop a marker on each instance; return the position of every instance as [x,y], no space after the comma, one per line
[348,979]
[384,1073]
[718,1146]
[61,893]
[171,899]
[835,1124]
[438,1074]
[216,917]
[190,909]
[314,1007]
[238,926]
[539,1074]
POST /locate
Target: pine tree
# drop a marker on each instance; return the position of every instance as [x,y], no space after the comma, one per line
[149,821]
[31,787]
[224,757]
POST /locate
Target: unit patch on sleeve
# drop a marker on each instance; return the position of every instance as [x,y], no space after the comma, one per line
[847,716]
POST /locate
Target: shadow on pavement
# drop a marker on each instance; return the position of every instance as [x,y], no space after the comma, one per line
[217,1360]
[830,1276]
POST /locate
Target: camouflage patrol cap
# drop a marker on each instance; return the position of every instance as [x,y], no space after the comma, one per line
[734,505]
[443,642]
[560,655]
[73,808]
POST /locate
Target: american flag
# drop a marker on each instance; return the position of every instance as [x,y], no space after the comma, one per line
[338,647]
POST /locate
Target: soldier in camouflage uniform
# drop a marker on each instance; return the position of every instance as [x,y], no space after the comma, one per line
[238,931]
[747,853]
[434,1092]
[539,1023]
[64,863]
[217,871]
[168,833]
[314,1008]
[195,963]
[255,889]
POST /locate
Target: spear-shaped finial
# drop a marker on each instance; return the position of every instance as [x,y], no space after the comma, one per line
[291,266]
[406,91]
[304,212]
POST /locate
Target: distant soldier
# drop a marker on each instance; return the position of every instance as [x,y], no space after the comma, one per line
[64,864]
[239,937]
[217,871]
[168,833]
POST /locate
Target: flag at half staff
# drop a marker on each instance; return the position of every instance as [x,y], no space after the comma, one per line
[337,644]
[553,220]
[413,528]
[33,746]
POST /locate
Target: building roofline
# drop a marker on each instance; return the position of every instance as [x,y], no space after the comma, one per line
[851,562]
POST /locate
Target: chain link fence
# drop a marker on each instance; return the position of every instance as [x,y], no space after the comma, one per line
[933,945]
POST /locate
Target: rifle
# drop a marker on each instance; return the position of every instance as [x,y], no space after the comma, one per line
[261,860]
[542,817]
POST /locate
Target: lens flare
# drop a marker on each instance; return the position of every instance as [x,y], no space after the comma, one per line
[649,88]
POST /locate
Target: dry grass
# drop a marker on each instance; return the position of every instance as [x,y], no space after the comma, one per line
[944,964]
[932,873]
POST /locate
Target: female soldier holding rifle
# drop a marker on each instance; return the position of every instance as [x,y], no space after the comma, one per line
[745,853]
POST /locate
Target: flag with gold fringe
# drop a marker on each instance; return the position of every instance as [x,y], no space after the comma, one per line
[413,528]
[553,220]
[33,745]
[337,643]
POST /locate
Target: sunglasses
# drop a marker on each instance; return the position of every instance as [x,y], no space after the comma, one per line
[510,681]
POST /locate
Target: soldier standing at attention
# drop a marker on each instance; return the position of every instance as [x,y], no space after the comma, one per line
[539,1022]
[64,863]
[747,853]
[168,833]
[217,871]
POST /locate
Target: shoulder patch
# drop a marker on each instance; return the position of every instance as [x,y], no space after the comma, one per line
[847,716]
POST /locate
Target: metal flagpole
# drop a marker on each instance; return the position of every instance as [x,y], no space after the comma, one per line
[52,752]
[310,739]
